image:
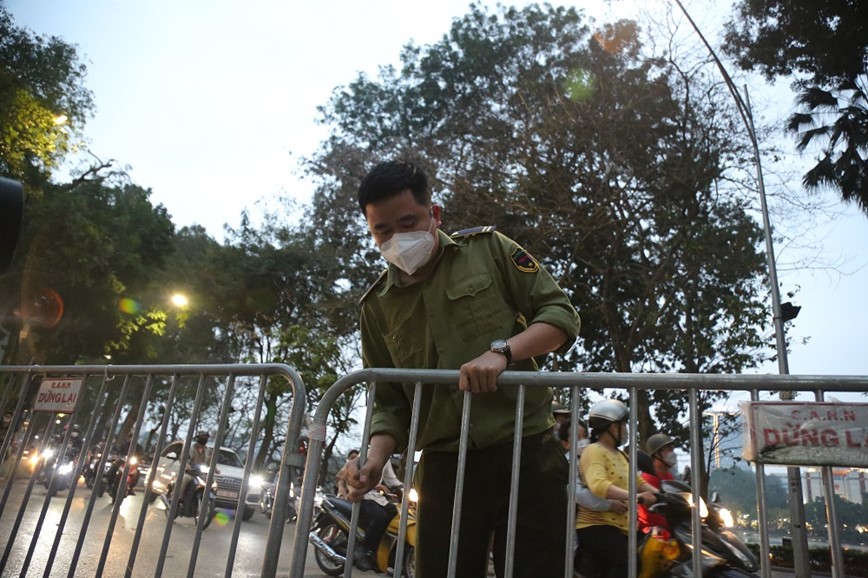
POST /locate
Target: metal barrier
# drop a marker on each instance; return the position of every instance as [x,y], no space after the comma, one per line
[105,391]
[632,383]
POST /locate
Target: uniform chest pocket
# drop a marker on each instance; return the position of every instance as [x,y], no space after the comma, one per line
[478,306]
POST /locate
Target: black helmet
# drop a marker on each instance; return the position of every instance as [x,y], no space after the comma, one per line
[203,434]
[272,467]
[607,412]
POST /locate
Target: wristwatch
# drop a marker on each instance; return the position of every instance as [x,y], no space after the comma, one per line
[502,346]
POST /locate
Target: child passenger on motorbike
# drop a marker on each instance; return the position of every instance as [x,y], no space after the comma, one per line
[606,471]
[376,512]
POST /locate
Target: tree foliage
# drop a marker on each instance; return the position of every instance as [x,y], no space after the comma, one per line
[737,490]
[824,45]
[43,101]
[85,247]
[605,165]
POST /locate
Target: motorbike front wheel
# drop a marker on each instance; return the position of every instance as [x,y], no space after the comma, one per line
[337,539]
[408,563]
[205,506]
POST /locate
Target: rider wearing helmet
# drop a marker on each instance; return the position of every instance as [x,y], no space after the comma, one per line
[661,448]
[200,455]
[606,471]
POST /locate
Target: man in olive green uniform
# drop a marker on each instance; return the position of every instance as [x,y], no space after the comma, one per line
[479,303]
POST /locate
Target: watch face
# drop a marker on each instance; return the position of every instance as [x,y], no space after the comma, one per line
[499,345]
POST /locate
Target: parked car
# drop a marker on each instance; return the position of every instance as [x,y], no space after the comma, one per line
[228,478]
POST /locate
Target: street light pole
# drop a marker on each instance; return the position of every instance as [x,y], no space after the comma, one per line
[794,484]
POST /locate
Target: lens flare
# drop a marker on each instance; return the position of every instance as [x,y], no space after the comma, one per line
[129,306]
[221,518]
[580,85]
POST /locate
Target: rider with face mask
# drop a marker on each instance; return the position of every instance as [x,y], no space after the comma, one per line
[606,472]
[661,448]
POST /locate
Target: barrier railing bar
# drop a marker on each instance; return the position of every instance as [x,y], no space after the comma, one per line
[409,468]
[762,520]
[122,480]
[20,516]
[248,466]
[831,513]
[463,444]
[110,438]
[101,401]
[182,463]
[10,433]
[291,458]
[514,482]
[573,483]
[695,467]
[632,489]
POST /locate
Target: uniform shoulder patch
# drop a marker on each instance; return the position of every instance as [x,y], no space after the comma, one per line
[523,261]
[374,285]
[473,231]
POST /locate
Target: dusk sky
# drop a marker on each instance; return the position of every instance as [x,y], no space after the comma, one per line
[211,103]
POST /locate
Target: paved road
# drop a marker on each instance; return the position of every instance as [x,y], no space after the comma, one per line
[213,552]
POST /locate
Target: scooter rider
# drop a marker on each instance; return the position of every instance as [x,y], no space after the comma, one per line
[376,513]
[661,448]
[200,454]
[606,471]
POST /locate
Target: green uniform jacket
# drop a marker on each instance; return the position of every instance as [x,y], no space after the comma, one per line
[485,287]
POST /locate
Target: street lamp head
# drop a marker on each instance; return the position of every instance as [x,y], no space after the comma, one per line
[179,300]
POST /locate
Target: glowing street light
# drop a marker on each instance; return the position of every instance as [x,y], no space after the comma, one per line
[179,300]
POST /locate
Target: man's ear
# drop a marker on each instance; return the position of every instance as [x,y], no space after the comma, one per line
[436,212]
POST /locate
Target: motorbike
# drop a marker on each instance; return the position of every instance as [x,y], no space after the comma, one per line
[89,473]
[668,552]
[114,473]
[56,473]
[205,499]
[266,501]
[330,538]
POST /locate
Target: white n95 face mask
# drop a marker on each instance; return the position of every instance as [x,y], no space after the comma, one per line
[409,251]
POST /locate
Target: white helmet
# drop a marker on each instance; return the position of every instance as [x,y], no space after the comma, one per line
[607,412]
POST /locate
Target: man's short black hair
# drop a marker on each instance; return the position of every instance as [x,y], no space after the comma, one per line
[390,178]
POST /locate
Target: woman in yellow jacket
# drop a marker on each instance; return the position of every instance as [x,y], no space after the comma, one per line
[606,472]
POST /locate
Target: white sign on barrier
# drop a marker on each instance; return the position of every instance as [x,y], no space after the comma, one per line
[58,394]
[806,433]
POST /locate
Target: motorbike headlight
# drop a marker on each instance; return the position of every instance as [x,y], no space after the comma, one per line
[65,468]
[134,460]
[413,495]
[703,509]
[203,469]
[47,453]
[726,517]
[34,459]
[256,481]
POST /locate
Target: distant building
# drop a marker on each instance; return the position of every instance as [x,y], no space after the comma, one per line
[850,484]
